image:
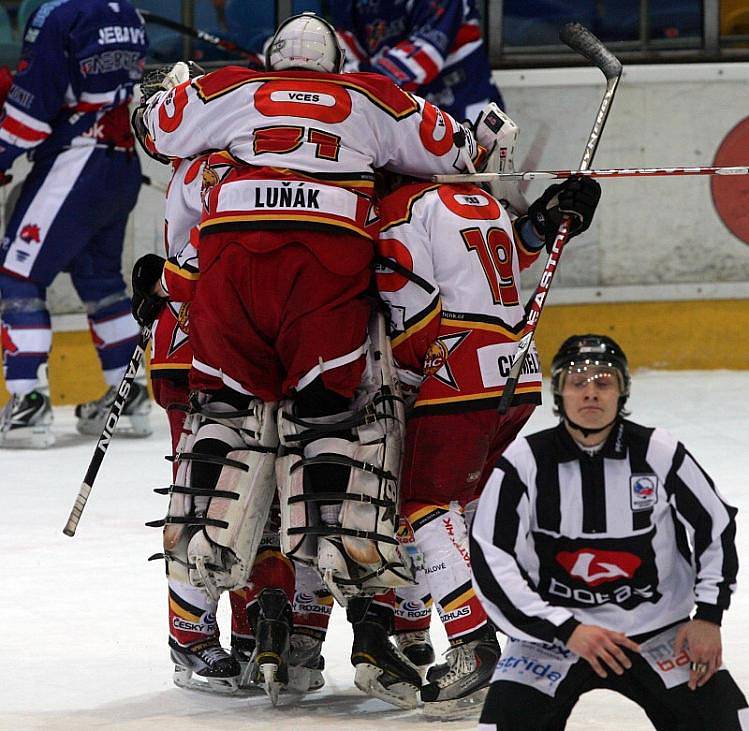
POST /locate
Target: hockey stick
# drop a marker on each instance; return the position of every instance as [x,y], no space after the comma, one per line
[610,173]
[584,42]
[202,35]
[102,445]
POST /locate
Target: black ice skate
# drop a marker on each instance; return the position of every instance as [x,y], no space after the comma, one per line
[382,670]
[134,420]
[205,665]
[417,647]
[25,422]
[271,618]
[242,650]
[457,688]
[306,663]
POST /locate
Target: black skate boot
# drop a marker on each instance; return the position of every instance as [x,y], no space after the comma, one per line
[306,663]
[271,618]
[216,670]
[417,647]
[135,422]
[457,688]
[382,670]
[25,422]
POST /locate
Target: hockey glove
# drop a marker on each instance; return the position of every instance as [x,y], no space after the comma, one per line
[576,197]
[146,275]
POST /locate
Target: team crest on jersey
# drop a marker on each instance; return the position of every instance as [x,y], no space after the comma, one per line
[180,332]
[643,491]
[436,363]
[30,233]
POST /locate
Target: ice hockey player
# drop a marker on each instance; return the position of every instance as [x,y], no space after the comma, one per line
[432,49]
[450,262]
[68,111]
[591,546]
[162,292]
[280,312]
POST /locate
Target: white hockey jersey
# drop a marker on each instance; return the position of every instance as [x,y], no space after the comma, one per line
[171,351]
[449,270]
[305,145]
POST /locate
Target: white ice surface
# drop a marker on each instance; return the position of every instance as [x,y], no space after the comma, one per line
[84,639]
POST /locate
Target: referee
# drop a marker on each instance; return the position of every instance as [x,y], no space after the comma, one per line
[592,544]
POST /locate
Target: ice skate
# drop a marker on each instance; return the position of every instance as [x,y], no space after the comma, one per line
[134,421]
[242,650]
[382,670]
[457,688]
[205,666]
[272,629]
[417,647]
[25,422]
[306,664]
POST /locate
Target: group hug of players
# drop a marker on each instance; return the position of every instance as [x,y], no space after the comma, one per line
[366,404]
[332,334]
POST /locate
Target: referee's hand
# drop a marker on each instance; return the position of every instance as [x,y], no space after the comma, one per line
[702,642]
[600,646]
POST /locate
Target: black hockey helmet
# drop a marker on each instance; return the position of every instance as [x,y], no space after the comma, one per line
[581,351]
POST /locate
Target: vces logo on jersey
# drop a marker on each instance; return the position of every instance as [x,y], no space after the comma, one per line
[596,567]
[30,232]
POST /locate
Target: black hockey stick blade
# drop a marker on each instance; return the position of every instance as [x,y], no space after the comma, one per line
[580,39]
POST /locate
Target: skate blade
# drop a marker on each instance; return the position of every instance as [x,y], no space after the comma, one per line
[28,437]
[454,710]
[272,686]
[402,695]
[186,679]
[304,680]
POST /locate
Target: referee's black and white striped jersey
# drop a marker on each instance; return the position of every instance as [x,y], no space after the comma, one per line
[628,539]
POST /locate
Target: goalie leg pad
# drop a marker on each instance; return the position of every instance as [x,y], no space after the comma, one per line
[235,505]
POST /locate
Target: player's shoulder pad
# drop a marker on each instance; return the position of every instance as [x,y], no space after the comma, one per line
[397,207]
[224,80]
[381,90]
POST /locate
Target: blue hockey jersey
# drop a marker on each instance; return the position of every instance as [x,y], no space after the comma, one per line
[430,47]
[79,62]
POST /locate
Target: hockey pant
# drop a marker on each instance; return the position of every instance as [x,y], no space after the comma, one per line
[441,475]
[70,216]
[536,686]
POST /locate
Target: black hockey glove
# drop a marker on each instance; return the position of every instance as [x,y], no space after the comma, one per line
[146,274]
[577,197]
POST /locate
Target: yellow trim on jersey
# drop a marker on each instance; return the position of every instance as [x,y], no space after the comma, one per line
[413,107]
[180,611]
[411,201]
[170,366]
[472,325]
[285,216]
[420,325]
[465,597]
[422,512]
[180,272]
[528,388]
[322,180]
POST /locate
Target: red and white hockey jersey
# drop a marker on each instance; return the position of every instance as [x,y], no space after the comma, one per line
[171,351]
[305,144]
[453,292]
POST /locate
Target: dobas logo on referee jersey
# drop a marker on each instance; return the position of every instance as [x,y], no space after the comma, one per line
[596,567]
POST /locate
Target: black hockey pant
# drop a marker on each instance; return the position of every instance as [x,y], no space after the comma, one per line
[716,706]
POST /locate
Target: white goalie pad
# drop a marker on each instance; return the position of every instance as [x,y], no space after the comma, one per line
[361,551]
[372,502]
[221,555]
[499,134]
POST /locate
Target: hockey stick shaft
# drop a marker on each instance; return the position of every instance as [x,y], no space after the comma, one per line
[201,35]
[110,423]
[582,40]
[670,172]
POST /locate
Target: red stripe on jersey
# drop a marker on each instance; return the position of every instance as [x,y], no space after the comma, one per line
[19,129]
[468,33]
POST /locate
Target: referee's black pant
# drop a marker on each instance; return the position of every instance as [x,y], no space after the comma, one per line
[512,706]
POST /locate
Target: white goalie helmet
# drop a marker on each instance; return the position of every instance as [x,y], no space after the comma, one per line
[305,41]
